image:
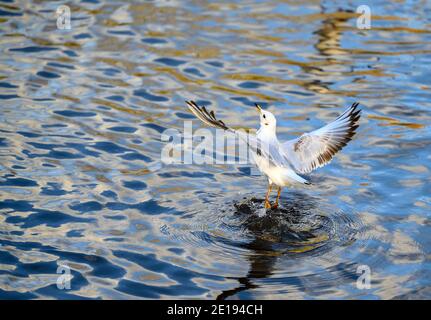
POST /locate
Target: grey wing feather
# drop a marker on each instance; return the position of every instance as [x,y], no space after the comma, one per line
[317,148]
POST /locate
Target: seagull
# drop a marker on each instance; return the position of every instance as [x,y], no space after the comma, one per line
[283,163]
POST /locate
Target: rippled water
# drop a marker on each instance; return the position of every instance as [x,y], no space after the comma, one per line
[82,184]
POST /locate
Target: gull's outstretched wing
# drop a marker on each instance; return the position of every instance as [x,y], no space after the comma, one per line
[258,147]
[316,149]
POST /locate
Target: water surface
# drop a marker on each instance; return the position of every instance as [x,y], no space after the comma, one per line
[82,184]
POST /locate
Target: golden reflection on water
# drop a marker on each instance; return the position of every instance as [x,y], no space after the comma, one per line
[386,121]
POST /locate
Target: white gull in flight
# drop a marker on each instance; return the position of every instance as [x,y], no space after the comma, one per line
[283,162]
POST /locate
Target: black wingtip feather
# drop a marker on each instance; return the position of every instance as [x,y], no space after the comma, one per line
[207,117]
[354,115]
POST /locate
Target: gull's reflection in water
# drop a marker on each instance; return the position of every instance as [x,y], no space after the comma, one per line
[294,228]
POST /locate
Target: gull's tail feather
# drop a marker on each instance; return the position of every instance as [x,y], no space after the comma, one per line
[293,175]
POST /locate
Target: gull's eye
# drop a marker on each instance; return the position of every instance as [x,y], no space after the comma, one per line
[264,116]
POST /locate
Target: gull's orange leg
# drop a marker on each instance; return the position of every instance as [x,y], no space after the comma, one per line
[267,203]
[275,206]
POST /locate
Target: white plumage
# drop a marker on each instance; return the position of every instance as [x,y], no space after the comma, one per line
[283,162]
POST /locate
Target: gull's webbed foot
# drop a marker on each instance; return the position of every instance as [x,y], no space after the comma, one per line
[274,206]
[267,205]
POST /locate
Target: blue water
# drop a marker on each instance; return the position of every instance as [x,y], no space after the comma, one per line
[83,187]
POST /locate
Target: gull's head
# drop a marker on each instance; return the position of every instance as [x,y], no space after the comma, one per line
[267,119]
